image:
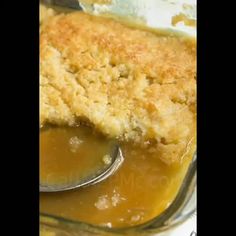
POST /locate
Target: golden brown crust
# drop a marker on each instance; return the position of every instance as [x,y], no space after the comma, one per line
[127,82]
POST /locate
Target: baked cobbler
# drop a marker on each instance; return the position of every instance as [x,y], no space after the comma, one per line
[128,84]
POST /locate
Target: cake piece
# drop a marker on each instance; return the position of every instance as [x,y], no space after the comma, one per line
[129,83]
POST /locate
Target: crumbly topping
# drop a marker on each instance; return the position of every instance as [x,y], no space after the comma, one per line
[130,84]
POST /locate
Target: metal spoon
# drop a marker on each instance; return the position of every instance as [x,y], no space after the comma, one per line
[117,159]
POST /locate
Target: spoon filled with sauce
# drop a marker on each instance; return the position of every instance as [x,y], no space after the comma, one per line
[74,157]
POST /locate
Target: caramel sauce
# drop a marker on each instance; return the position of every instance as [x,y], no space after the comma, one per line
[141,189]
[72,155]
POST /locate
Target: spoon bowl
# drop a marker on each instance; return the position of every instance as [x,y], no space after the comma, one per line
[75,157]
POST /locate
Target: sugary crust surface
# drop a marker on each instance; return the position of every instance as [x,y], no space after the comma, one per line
[129,83]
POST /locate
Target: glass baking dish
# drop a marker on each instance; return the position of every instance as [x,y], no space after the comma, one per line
[181,209]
